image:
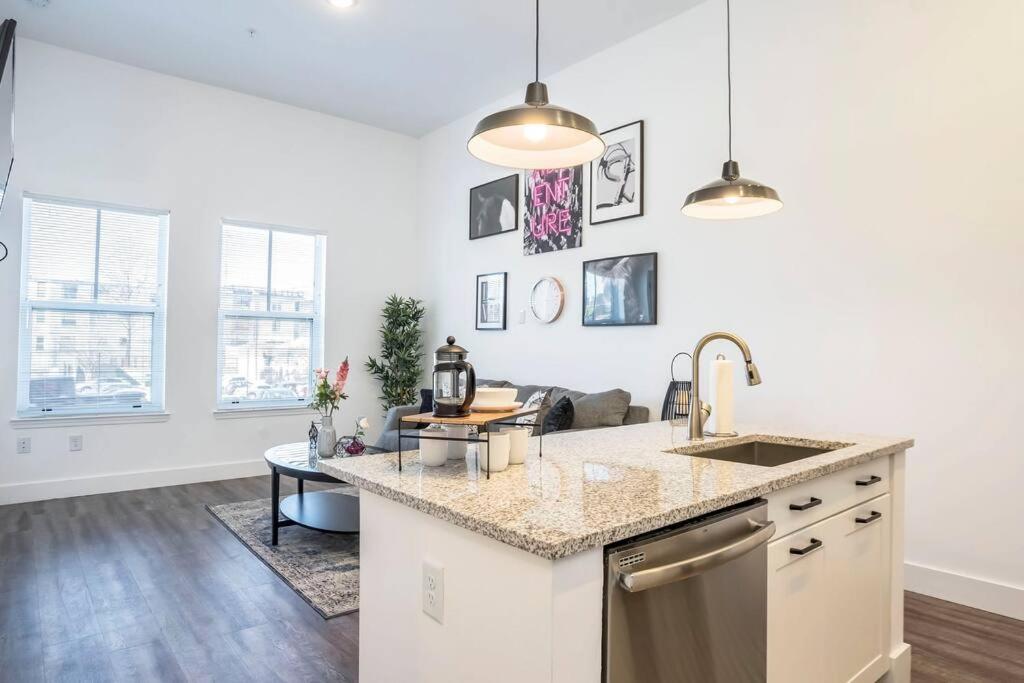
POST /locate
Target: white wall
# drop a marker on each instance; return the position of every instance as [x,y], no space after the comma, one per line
[97,130]
[885,296]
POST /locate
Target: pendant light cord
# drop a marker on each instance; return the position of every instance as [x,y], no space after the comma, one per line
[728,62]
[536,45]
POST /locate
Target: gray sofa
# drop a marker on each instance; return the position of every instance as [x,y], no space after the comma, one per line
[593,411]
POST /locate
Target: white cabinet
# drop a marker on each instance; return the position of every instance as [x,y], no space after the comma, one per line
[828,598]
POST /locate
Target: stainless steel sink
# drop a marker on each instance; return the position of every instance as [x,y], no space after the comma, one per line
[761,453]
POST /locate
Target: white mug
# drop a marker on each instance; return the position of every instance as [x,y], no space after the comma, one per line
[433,453]
[457,449]
[493,453]
[517,445]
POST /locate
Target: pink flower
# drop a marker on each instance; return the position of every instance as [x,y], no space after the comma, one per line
[321,374]
[341,377]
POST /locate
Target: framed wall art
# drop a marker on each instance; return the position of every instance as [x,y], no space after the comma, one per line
[491,301]
[494,207]
[554,210]
[617,177]
[621,290]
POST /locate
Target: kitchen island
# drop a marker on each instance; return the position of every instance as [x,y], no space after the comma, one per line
[513,568]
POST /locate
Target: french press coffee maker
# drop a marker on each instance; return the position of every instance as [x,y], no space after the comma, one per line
[454,381]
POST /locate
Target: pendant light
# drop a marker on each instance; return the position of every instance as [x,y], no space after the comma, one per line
[732,196]
[536,134]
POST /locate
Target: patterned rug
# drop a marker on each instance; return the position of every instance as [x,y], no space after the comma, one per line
[322,568]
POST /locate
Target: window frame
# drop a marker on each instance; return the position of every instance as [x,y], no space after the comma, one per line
[29,306]
[315,316]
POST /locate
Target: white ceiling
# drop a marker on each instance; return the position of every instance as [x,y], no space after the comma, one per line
[404,65]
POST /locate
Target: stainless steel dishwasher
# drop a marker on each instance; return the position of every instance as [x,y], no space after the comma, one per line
[689,603]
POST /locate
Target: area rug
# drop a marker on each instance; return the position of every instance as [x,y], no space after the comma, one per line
[322,568]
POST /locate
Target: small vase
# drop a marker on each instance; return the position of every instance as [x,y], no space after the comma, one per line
[327,438]
[355,446]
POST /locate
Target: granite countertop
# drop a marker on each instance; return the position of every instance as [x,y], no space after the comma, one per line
[596,487]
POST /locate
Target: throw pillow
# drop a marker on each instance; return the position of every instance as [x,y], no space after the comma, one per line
[426,405]
[560,416]
[539,399]
[606,409]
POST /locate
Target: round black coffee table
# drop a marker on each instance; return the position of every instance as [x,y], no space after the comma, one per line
[318,510]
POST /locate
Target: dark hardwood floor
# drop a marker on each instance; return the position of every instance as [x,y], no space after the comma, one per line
[148,586]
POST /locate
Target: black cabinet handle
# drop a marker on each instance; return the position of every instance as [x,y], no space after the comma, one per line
[873,479]
[875,514]
[813,545]
[805,506]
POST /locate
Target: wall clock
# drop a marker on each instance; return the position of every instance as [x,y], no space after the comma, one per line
[547,299]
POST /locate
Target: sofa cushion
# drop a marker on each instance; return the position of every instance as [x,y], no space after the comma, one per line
[605,409]
[542,399]
[560,416]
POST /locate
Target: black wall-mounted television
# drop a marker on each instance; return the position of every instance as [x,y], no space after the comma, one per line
[6,112]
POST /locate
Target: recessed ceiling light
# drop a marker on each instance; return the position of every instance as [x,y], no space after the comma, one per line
[342,4]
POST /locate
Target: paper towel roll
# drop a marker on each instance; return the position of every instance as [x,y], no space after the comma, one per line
[722,415]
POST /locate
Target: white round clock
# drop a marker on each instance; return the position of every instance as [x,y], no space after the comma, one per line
[547,299]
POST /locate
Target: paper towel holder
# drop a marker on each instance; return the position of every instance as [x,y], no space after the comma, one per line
[721,356]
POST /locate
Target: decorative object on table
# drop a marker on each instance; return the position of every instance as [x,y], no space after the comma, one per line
[454,381]
[456,448]
[400,365]
[327,396]
[491,300]
[560,417]
[622,290]
[433,453]
[541,401]
[723,421]
[547,299]
[676,405]
[495,399]
[519,437]
[732,196]
[493,453]
[494,207]
[617,177]
[356,446]
[554,210]
[312,435]
[536,134]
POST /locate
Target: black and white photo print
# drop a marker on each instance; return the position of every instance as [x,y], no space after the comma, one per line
[493,207]
[491,297]
[622,290]
[617,178]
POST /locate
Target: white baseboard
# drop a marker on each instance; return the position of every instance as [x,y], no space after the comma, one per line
[128,481]
[984,594]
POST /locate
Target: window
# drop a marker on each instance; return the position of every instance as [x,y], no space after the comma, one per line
[101,271]
[270,335]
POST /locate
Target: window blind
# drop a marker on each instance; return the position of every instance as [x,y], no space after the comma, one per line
[92,308]
[270,324]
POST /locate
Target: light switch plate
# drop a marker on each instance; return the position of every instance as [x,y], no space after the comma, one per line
[433,591]
[24,445]
[522,316]
[75,442]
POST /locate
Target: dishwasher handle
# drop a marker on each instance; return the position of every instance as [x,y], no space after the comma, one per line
[643,579]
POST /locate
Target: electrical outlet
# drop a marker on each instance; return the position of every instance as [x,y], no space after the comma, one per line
[75,442]
[433,591]
[24,445]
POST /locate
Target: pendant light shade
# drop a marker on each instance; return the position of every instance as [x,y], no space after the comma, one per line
[536,134]
[732,196]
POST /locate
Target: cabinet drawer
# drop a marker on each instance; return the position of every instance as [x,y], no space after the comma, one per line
[798,506]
